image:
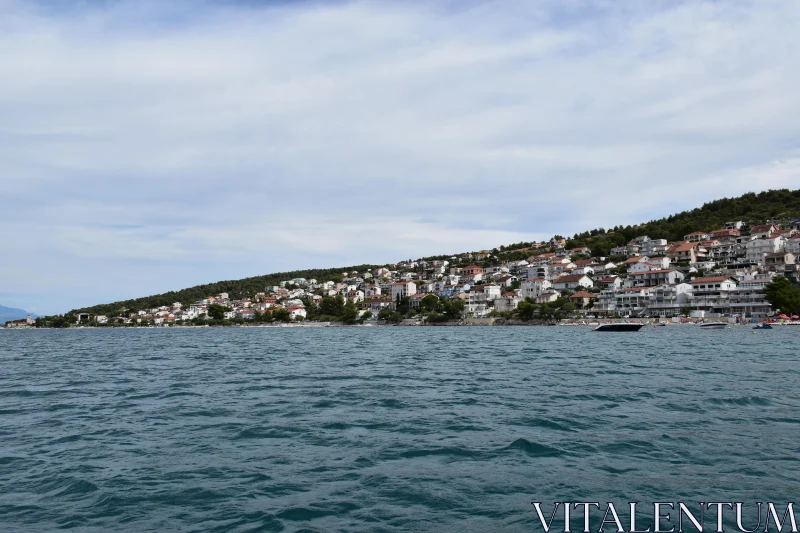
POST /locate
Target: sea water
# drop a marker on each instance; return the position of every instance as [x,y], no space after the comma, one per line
[387,428]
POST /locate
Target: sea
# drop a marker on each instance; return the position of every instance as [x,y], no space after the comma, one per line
[387,429]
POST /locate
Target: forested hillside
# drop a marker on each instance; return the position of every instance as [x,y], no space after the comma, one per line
[752,208]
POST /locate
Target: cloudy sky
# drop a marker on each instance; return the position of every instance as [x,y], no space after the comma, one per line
[148,146]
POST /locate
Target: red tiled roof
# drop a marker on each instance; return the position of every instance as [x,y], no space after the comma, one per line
[583,294]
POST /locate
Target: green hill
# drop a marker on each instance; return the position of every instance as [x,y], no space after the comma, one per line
[751,208]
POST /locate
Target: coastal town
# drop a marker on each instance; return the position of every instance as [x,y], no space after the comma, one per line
[720,273]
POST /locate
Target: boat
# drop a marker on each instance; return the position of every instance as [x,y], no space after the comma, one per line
[763,326]
[619,326]
[714,325]
[660,325]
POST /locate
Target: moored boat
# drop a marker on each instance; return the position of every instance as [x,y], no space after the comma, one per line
[619,326]
[763,326]
[714,325]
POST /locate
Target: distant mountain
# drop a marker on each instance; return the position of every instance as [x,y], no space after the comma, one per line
[9,313]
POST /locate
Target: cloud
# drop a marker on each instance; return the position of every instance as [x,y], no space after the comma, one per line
[151,145]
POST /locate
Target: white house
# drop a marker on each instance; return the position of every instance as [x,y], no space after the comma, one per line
[532,288]
[756,249]
[401,289]
[572,282]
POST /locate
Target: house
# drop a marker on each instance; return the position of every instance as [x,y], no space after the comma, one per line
[696,236]
[712,294]
[505,281]
[507,302]
[379,303]
[582,250]
[763,231]
[660,262]
[476,304]
[582,299]
[634,260]
[296,311]
[619,251]
[547,296]
[748,298]
[756,249]
[651,278]
[471,270]
[610,282]
[776,262]
[401,289]
[668,300]
[686,252]
[532,288]
[632,301]
[573,281]
[725,234]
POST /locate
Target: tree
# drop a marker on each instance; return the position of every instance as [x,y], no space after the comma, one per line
[332,306]
[350,313]
[281,315]
[430,303]
[526,309]
[783,296]
[217,312]
[366,316]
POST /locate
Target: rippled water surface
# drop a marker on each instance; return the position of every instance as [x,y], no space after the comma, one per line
[386,429]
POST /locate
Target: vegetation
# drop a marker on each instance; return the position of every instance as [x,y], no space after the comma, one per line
[783,296]
[752,208]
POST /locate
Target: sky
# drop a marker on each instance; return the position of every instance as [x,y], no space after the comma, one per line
[147,146]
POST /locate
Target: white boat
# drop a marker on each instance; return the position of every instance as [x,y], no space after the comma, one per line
[714,325]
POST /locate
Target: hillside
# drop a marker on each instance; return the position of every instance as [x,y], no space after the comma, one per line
[751,208]
[236,288]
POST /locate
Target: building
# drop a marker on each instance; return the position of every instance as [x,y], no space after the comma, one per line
[697,236]
[763,231]
[572,282]
[652,278]
[471,270]
[712,294]
[756,249]
[686,252]
[748,298]
[401,289]
[583,299]
[668,300]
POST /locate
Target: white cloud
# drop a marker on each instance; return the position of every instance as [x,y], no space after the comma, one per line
[159,133]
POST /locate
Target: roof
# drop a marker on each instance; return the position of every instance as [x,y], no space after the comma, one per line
[712,279]
[682,247]
[472,267]
[583,294]
[636,259]
[660,271]
[761,228]
[569,278]
[698,233]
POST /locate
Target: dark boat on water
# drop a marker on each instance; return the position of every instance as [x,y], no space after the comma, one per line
[763,326]
[619,326]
